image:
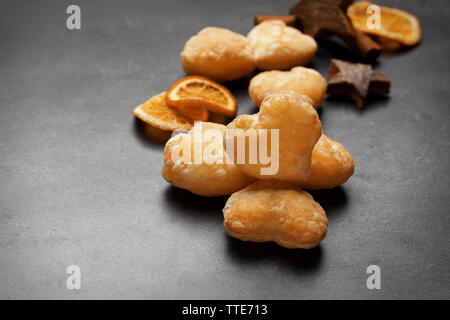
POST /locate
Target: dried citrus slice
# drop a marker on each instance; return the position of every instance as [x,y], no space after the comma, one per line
[158,114]
[198,91]
[395,24]
[194,113]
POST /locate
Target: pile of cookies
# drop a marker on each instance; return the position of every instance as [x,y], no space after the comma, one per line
[268,201]
[264,207]
[223,55]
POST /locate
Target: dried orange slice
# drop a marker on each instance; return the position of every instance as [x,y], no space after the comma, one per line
[194,113]
[395,24]
[158,114]
[201,92]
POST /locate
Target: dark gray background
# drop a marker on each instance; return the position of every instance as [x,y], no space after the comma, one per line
[80,178]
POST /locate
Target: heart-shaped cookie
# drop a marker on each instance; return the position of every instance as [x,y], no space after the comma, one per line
[196,161]
[276,142]
[219,54]
[299,79]
[277,46]
[276,211]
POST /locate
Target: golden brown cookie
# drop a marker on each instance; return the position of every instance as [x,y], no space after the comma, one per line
[331,165]
[218,54]
[292,128]
[299,79]
[214,174]
[277,46]
[275,211]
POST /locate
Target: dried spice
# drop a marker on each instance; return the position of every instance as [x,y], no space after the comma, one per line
[321,17]
[357,80]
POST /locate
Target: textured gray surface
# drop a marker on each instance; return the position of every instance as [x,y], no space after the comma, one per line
[80,178]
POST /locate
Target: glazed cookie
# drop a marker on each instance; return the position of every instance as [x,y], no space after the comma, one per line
[331,165]
[207,173]
[299,79]
[279,47]
[218,54]
[291,128]
[275,211]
